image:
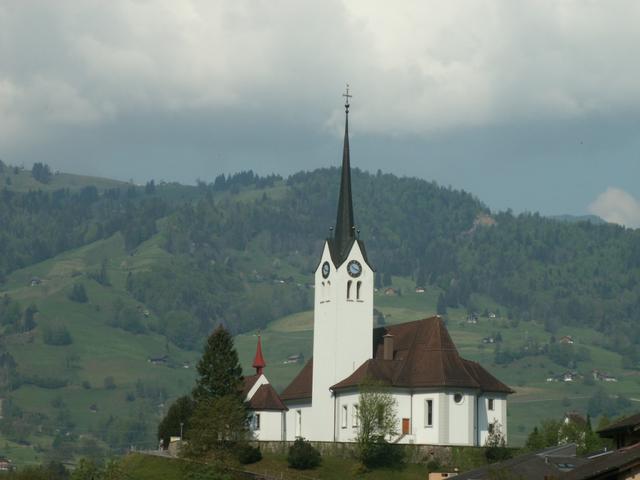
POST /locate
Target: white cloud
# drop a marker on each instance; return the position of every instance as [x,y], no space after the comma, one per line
[617,206]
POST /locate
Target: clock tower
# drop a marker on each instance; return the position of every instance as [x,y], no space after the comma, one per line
[343,306]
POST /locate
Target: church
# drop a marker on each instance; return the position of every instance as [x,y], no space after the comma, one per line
[441,398]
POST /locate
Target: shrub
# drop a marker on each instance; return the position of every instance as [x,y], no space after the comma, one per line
[380,453]
[109,383]
[56,335]
[248,454]
[78,294]
[302,455]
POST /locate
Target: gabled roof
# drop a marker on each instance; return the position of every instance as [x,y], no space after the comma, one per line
[248,383]
[547,463]
[424,356]
[301,386]
[266,398]
[627,424]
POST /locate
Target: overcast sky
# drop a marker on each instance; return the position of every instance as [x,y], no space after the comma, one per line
[528,105]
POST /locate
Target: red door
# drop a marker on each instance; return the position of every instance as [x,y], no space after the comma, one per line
[405,426]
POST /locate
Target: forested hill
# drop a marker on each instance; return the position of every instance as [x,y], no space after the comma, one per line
[230,240]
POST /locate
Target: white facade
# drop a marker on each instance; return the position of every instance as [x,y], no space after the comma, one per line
[342,332]
[434,417]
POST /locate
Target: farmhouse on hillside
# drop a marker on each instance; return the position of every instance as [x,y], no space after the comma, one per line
[441,398]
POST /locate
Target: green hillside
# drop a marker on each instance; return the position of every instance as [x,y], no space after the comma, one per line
[161,265]
[20,180]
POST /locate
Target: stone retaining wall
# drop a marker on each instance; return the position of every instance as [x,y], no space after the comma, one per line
[413,453]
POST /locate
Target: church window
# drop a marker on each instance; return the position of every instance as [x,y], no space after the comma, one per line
[490,403]
[349,290]
[256,421]
[358,285]
[298,423]
[491,428]
[428,413]
[458,398]
[345,413]
[356,420]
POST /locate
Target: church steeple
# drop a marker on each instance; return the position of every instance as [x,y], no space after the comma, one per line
[345,228]
[258,361]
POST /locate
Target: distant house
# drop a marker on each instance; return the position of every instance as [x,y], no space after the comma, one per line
[158,360]
[602,377]
[420,290]
[93,408]
[35,281]
[390,291]
[5,465]
[492,315]
[488,340]
[472,319]
[297,358]
[568,376]
[574,418]
[566,340]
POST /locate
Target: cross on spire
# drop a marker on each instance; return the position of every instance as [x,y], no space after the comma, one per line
[346,96]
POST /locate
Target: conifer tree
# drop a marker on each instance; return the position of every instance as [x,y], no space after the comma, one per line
[219,370]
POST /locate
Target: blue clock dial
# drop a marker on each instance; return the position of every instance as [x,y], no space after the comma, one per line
[354,268]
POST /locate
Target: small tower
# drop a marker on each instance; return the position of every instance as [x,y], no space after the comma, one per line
[343,306]
[258,360]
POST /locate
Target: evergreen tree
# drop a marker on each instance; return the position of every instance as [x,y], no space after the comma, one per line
[177,419]
[386,279]
[441,307]
[219,370]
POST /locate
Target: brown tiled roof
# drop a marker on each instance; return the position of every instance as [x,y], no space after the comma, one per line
[625,424]
[423,356]
[249,382]
[266,398]
[605,465]
[300,387]
[488,382]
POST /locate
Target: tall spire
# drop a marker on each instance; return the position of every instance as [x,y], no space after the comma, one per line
[258,361]
[345,229]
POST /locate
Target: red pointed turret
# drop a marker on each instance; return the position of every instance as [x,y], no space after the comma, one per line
[258,361]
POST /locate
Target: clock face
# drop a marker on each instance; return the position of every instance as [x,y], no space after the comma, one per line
[326,269]
[354,268]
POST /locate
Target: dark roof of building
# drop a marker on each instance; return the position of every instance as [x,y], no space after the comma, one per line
[300,387]
[617,461]
[423,356]
[623,425]
[248,383]
[576,418]
[550,462]
[266,398]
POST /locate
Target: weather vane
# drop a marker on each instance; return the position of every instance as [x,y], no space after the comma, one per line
[347,97]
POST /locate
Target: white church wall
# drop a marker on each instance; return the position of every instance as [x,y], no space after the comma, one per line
[267,425]
[488,415]
[461,416]
[299,421]
[425,431]
[347,405]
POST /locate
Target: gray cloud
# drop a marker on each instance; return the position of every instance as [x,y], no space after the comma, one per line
[485,95]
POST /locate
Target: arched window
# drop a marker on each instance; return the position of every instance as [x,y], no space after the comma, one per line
[349,290]
[358,285]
